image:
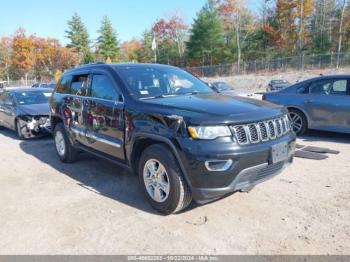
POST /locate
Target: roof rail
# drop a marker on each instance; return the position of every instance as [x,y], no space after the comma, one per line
[90,64]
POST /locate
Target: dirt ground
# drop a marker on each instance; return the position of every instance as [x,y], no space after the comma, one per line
[94,207]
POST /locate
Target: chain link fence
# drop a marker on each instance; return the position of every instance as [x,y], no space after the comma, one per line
[17,83]
[281,64]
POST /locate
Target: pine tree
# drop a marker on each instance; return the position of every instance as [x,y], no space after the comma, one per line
[145,53]
[78,35]
[207,35]
[108,45]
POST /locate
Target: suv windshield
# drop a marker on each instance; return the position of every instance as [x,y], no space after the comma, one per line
[31,97]
[151,81]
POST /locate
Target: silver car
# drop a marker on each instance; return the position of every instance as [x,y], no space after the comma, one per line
[321,103]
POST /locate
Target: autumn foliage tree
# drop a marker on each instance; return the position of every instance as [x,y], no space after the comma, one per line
[22,59]
[238,23]
[5,57]
[170,35]
[130,50]
[51,57]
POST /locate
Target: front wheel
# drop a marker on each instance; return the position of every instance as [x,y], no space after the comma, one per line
[162,180]
[298,121]
[65,150]
[19,129]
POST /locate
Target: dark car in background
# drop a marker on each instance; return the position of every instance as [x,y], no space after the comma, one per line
[25,111]
[227,89]
[221,87]
[277,84]
[44,85]
[184,140]
[321,103]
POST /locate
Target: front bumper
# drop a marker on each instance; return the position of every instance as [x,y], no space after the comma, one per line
[251,165]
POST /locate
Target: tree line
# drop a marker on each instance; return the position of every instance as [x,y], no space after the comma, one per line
[223,31]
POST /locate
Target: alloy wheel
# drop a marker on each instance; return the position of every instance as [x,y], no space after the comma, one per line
[156,180]
[60,143]
[296,122]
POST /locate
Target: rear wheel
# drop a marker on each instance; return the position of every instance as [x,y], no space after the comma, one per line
[162,180]
[65,150]
[298,121]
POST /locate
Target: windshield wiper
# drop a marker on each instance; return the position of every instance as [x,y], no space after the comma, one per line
[195,92]
[158,96]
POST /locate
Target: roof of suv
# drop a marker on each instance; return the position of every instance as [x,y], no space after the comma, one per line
[116,65]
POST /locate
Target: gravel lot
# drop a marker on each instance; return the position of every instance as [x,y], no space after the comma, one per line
[93,206]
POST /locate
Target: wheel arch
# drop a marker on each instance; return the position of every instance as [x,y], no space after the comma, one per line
[54,120]
[142,141]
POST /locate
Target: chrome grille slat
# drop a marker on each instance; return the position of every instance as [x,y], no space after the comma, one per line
[253,133]
[263,132]
[278,128]
[240,134]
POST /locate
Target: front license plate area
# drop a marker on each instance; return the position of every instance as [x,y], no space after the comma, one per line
[279,152]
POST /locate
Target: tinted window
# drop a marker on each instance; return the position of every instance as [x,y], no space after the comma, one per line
[329,87]
[339,87]
[7,98]
[303,89]
[31,97]
[102,87]
[63,85]
[320,87]
[80,85]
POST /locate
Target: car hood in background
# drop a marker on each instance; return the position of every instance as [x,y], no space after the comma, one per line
[33,110]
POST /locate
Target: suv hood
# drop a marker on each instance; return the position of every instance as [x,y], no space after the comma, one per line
[218,108]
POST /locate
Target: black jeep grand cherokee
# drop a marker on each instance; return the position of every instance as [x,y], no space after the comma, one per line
[183,140]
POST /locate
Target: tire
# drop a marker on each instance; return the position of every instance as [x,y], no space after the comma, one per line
[19,132]
[64,149]
[178,195]
[298,121]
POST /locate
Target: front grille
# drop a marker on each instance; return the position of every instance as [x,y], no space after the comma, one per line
[253,133]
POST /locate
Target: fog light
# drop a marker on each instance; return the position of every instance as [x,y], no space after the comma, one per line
[218,165]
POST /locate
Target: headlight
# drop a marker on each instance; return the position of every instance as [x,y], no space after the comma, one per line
[208,132]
